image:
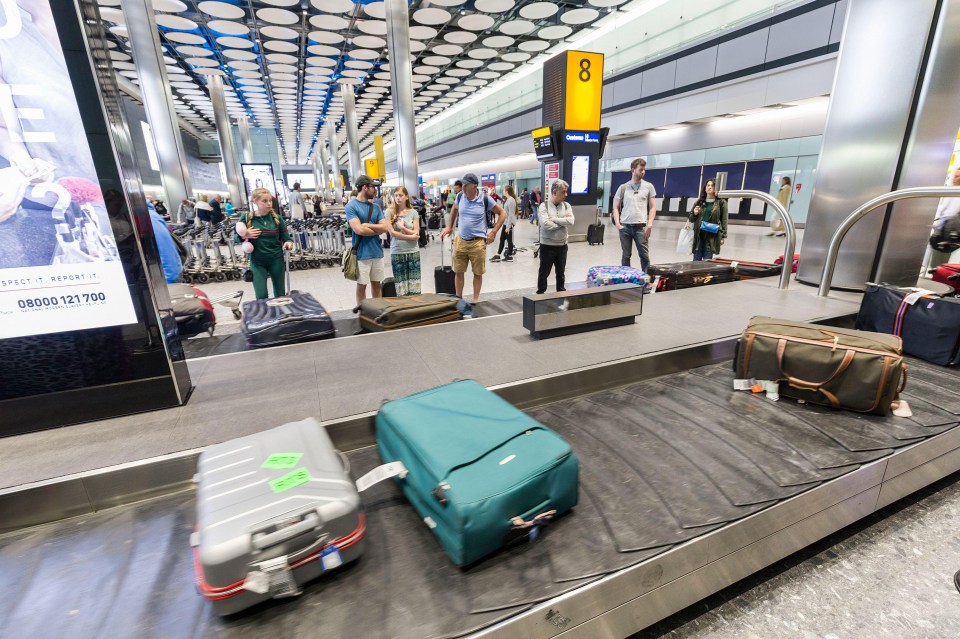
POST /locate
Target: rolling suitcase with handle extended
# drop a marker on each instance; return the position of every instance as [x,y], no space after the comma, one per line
[928,323]
[444,279]
[480,472]
[595,231]
[274,510]
[290,318]
[390,313]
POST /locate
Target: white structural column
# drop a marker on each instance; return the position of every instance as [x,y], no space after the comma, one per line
[324,161]
[158,100]
[350,125]
[315,168]
[243,124]
[234,179]
[401,86]
[335,160]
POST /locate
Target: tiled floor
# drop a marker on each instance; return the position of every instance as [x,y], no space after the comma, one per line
[335,293]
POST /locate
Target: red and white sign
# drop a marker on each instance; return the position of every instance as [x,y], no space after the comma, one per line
[553,171]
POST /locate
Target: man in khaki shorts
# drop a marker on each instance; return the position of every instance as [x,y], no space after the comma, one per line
[469,216]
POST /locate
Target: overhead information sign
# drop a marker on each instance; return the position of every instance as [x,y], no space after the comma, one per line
[584,91]
[60,267]
[582,136]
[543,143]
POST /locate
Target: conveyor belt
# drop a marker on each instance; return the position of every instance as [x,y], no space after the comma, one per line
[663,462]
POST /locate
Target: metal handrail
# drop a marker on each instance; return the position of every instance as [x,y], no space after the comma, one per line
[830,263]
[791,230]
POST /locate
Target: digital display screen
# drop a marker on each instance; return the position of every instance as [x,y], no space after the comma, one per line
[580,175]
[307,183]
[60,268]
[258,176]
[543,145]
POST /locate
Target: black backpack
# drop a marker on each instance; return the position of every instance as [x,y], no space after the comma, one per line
[946,236]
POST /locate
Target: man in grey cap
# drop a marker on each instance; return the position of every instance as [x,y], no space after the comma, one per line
[472,215]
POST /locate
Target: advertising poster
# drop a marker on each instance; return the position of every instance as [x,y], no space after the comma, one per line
[59,265]
[258,176]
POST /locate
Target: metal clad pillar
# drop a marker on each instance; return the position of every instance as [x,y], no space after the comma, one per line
[315,166]
[234,180]
[335,159]
[401,86]
[246,145]
[867,131]
[325,169]
[928,150]
[350,125]
[158,100]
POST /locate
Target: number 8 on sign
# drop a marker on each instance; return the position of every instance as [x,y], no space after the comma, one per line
[584,74]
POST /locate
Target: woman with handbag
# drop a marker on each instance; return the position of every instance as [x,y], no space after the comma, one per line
[709,219]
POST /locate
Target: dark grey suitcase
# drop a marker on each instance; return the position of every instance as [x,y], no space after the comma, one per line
[290,318]
[274,510]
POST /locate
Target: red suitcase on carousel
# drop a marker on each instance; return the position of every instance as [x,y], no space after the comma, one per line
[948,274]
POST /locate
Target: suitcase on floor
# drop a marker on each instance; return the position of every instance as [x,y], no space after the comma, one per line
[444,279]
[391,313]
[948,274]
[595,233]
[679,275]
[796,262]
[744,270]
[609,275]
[841,368]
[274,510]
[388,288]
[290,318]
[928,323]
[481,473]
[192,310]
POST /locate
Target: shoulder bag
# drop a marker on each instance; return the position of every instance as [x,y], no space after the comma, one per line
[348,260]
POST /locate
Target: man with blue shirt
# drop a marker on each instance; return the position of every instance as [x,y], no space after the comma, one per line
[367,223]
[469,215]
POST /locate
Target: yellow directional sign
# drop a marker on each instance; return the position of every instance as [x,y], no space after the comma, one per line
[372,168]
[378,153]
[584,91]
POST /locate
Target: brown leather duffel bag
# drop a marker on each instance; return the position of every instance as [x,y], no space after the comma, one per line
[390,313]
[842,368]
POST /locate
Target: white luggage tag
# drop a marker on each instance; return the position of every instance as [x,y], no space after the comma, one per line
[378,474]
[917,293]
[743,384]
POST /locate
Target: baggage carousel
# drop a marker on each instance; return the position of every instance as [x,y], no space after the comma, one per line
[686,487]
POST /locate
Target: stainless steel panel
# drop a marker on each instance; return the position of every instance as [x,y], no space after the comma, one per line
[350,125]
[582,307]
[141,480]
[921,476]
[919,454]
[335,159]
[246,146]
[929,147]
[42,503]
[583,216]
[703,565]
[839,15]
[866,124]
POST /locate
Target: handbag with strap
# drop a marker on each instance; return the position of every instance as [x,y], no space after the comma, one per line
[348,261]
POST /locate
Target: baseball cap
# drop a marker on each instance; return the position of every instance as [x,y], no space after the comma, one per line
[471,178]
[363,181]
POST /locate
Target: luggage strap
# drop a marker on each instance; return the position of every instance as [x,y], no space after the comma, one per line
[815,386]
[909,300]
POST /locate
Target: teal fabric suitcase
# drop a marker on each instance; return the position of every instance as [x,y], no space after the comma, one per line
[481,473]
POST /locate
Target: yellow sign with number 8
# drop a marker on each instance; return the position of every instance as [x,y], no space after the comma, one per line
[584,91]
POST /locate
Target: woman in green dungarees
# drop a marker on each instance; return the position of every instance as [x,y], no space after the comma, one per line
[268,233]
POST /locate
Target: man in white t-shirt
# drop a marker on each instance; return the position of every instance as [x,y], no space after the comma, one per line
[634,207]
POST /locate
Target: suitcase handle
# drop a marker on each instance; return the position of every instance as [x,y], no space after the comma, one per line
[814,386]
[265,540]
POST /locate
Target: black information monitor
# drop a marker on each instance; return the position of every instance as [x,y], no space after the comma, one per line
[544,146]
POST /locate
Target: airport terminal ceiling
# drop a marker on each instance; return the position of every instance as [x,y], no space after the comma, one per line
[283,60]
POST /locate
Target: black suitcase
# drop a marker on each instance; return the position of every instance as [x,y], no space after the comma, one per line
[679,275]
[595,234]
[928,324]
[294,317]
[434,222]
[749,270]
[388,288]
[443,276]
[192,310]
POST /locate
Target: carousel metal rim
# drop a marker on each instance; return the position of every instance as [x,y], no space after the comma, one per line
[630,600]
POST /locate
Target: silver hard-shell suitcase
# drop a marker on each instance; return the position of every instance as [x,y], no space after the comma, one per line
[274,510]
